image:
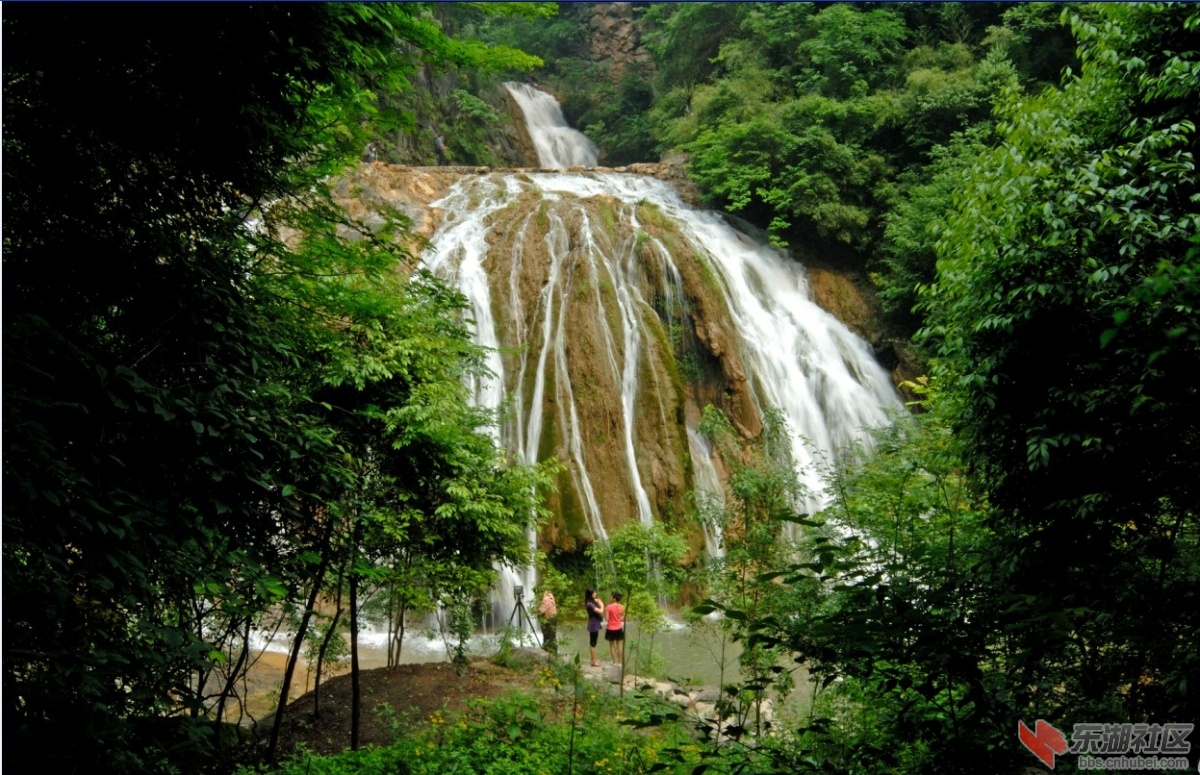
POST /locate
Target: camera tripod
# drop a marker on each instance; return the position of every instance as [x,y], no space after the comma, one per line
[522,616]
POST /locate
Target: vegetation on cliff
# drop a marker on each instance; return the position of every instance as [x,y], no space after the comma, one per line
[818,122]
[216,411]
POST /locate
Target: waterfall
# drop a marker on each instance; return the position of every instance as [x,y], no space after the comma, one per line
[558,146]
[465,241]
[613,312]
[709,492]
[805,362]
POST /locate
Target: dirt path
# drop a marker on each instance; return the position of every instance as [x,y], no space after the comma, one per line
[412,692]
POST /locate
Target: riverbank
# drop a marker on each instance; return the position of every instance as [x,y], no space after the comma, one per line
[396,701]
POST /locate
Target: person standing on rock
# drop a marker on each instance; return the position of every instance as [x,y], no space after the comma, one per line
[615,634]
[548,612]
[595,621]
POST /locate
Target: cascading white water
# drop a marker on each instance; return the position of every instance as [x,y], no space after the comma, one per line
[802,360]
[805,362]
[708,486]
[539,255]
[462,249]
[558,146]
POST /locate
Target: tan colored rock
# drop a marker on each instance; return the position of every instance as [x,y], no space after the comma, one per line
[529,155]
[519,265]
[840,296]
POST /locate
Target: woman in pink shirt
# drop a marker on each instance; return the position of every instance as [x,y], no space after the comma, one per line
[615,634]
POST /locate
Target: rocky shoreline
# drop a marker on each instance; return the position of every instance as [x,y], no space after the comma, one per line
[699,702]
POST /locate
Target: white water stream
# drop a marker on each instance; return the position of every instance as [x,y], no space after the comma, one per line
[798,358]
[558,146]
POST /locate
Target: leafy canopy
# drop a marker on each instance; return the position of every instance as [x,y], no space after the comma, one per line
[1063,316]
[194,406]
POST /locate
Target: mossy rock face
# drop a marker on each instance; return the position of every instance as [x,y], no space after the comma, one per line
[711,356]
[567,531]
[844,298]
[595,299]
[581,305]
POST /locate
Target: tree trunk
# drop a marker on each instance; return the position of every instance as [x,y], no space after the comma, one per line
[337,615]
[401,631]
[227,689]
[298,643]
[355,698]
[393,605]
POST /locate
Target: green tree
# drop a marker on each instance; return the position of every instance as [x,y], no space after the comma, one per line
[544,30]
[814,121]
[685,38]
[757,538]
[1036,40]
[172,468]
[1064,318]
[850,50]
[915,222]
[641,561]
[901,635]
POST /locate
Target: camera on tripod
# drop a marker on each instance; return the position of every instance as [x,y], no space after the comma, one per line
[520,614]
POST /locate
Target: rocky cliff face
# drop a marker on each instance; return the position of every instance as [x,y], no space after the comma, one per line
[615,37]
[616,316]
[369,190]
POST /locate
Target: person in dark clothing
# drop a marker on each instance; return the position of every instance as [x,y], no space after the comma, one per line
[595,621]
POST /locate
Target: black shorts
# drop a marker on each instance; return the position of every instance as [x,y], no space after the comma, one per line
[593,636]
[614,634]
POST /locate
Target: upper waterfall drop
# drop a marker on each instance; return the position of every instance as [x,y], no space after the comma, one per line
[558,146]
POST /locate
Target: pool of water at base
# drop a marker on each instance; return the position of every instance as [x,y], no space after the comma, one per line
[691,655]
[698,655]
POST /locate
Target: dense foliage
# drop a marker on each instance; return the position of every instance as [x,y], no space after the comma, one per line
[217,409]
[1064,316]
[200,415]
[817,120]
